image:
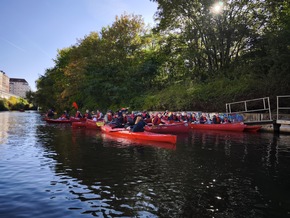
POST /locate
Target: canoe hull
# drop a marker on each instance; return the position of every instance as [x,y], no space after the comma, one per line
[249,128]
[57,121]
[90,124]
[125,142]
[146,136]
[169,128]
[220,127]
[76,119]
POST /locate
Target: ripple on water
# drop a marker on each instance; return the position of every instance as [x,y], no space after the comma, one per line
[52,171]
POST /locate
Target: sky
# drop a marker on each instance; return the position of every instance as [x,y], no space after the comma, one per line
[31,31]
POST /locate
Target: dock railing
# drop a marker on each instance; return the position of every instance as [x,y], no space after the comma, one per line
[282,118]
[259,105]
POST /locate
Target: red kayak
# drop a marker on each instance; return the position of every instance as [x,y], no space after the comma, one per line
[57,120]
[76,119]
[249,128]
[236,127]
[91,124]
[148,136]
[78,124]
[169,128]
[125,142]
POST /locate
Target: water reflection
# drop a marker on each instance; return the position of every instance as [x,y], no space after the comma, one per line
[79,173]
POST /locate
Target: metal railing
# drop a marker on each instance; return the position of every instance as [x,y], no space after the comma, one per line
[245,105]
[278,104]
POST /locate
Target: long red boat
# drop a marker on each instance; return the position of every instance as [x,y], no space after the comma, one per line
[148,136]
[169,128]
[76,119]
[125,142]
[236,127]
[250,128]
[48,120]
[89,124]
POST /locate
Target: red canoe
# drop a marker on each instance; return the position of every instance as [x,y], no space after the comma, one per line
[249,128]
[236,127]
[76,119]
[148,136]
[57,120]
[125,142]
[169,128]
[91,124]
[78,124]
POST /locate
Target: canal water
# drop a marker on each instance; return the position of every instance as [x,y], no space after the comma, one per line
[52,170]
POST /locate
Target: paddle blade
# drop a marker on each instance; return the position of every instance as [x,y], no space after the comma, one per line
[74,104]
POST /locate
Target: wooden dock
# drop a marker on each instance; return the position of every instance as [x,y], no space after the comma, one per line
[263,115]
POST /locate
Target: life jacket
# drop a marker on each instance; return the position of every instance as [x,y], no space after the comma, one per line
[202,119]
[64,116]
[78,115]
[218,120]
[156,120]
[124,119]
[88,116]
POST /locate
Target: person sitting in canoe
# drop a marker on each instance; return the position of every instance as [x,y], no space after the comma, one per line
[172,117]
[216,119]
[108,117]
[193,118]
[139,125]
[202,119]
[183,117]
[99,115]
[188,118]
[50,113]
[78,114]
[157,119]
[124,118]
[88,115]
[64,116]
[226,120]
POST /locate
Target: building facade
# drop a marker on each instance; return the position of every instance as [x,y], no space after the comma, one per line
[4,82]
[19,87]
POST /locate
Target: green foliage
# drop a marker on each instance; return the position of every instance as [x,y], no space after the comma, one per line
[194,59]
[3,105]
[14,103]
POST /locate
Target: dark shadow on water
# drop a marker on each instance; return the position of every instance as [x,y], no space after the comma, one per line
[207,174]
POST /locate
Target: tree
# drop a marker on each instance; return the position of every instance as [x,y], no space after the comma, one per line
[210,41]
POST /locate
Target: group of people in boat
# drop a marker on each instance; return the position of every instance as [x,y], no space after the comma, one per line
[137,120]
